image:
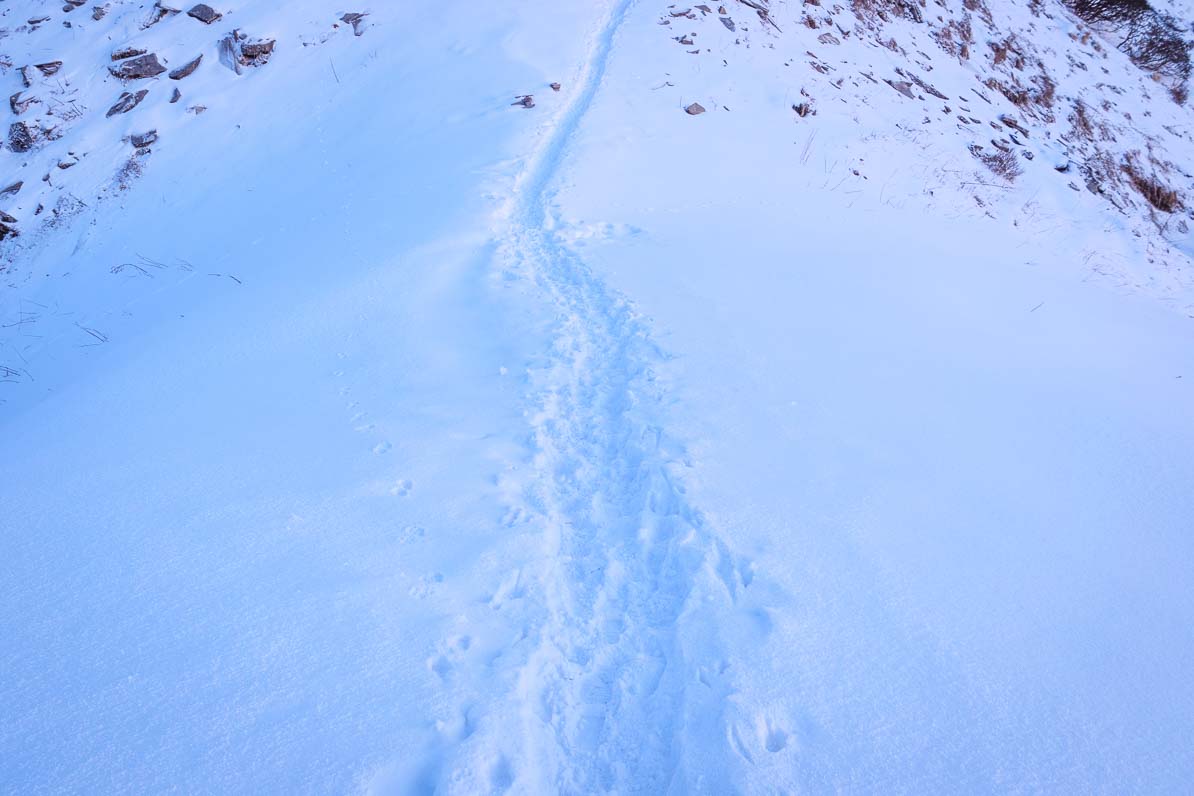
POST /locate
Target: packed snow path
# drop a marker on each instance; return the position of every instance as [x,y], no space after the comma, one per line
[603,694]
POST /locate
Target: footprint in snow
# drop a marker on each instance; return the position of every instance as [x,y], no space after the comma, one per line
[773,737]
[411,533]
[401,488]
[425,586]
[382,447]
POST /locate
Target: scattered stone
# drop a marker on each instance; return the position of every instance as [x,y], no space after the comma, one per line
[204,13]
[555,86]
[143,140]
[99,12]
[828,38]
[357,21]
[67,162]
[20,104]
[1010,121]
[729,23]
[127,52]
[136,68]
[230,51]
[13,189]
[7,231]
[50,68]
[186,69]
[127,102]
[197,109]
[71,5]
[257,53]
[526,101]
[6,218]
[925,86]
[176,96]
[26,80]
[236,51]
[902,86]
[21,137]
[695,109]
[159,13]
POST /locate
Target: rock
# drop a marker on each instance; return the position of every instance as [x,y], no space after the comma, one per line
[20,104]
[357,21]
[6,218]
[26,80]
[257,53]
[143,140]
[99,12]
[186,69]
[67,162]
[526,101]
[21,137]
[7,231]
[555,86]
[729,23]
[230,51]
[127,102]
[236,51]
[49,68]
[902,86]
[828,38]
[1010,121]
[127,52]
[159,13]
[695,109]
[136,68]
[13,189]
[176,96]
[204,13]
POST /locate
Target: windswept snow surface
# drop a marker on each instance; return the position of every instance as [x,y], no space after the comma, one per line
[465,448]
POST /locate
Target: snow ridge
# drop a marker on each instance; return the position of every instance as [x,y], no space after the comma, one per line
[604,693]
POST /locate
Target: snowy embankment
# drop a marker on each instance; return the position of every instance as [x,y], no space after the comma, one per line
[382,436]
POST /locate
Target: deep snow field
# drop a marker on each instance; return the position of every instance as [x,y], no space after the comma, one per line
[368,433]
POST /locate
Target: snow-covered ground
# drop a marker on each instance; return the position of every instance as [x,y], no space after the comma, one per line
[376,435]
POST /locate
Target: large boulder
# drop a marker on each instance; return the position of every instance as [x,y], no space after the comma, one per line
[187,68]
[204,13]
[137,68]
[127,102]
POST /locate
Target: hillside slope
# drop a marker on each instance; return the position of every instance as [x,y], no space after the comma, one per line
[380,431]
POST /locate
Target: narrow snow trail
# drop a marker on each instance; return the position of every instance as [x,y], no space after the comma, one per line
[603,695]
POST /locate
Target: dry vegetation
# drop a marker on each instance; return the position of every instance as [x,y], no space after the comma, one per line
[1150,186]
[1155,41]
[1003,164]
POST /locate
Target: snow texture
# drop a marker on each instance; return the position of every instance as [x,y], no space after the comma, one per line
[371,433]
